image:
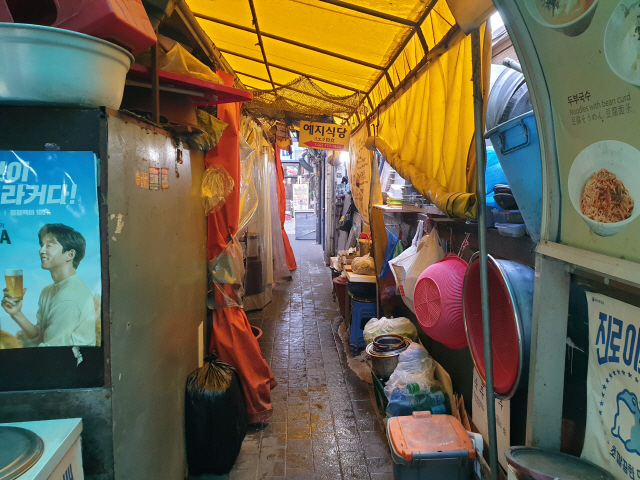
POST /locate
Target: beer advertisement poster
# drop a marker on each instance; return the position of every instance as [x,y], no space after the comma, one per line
[49,250]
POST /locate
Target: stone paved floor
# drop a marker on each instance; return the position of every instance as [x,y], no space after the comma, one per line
[324,424]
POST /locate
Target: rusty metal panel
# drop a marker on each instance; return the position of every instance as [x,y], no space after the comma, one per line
[157,269]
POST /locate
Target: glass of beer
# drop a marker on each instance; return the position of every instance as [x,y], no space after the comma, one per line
[14,282]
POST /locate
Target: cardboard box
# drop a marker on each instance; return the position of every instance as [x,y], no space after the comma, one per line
[503,418]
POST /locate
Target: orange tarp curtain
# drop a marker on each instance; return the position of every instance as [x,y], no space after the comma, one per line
[291,260]
[231,335]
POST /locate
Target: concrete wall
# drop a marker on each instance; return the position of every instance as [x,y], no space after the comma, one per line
[157,270]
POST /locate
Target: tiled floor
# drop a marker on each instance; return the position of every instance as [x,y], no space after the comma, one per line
[324,424]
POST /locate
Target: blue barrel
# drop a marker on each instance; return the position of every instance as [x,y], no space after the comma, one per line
[517,147]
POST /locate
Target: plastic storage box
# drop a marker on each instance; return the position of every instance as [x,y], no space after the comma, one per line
[511,229]
[507,216]
[430,447]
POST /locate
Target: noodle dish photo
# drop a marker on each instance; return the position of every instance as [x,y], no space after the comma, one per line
[604,186]
[571,17]
[622,41]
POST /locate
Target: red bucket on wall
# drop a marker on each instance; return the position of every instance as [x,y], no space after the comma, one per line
[511,303]
[438,301]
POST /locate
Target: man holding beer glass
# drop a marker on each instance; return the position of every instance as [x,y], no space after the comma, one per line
[66,313]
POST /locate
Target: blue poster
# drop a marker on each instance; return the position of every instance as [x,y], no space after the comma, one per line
[49,250]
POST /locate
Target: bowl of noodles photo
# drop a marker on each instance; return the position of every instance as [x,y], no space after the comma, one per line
[622,41]
[604,186]
[571,17]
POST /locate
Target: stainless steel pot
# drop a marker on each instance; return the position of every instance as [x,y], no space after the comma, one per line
[384,352]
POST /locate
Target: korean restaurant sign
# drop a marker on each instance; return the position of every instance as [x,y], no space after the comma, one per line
[49,249]
[612,438]
[326,136]
[589,54]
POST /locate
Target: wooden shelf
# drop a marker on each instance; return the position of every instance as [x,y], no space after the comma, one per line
[204,92]
[409,209]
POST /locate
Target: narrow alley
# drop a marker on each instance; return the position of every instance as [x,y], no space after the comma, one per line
[324,424]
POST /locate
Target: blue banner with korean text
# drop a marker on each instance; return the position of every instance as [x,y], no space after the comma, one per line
[49,249]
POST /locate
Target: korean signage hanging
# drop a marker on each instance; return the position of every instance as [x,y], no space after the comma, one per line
[300,196]
[612,437]
[49,249]
[588,50]
[325,136]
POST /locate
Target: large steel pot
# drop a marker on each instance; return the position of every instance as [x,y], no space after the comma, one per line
[384,352]
[50,66]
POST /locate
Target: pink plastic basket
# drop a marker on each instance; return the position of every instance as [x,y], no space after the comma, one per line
[438,301]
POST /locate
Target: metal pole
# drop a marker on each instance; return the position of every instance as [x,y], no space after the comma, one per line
[481,161]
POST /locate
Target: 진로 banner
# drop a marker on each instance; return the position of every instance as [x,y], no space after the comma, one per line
[612,437]
[49,249]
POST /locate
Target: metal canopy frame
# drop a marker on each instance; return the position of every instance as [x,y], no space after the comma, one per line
[384,71]
[290,41]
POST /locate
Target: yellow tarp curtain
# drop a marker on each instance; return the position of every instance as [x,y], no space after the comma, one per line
[426,134]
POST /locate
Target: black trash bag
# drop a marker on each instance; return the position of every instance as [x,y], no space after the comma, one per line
[215,418]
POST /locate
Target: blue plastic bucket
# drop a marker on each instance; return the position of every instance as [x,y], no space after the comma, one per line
[517,147]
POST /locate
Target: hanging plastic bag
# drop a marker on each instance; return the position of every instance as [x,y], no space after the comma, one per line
[399,326]
[429,252]
[216,187]
[215,418]
[212,129]
[226,273]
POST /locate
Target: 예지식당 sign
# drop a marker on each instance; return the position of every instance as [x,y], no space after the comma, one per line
[325,136]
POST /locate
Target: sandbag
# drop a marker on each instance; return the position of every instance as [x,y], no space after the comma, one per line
[215,418]
[363,265]
[399,326]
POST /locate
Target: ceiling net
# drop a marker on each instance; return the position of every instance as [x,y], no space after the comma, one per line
[301,99]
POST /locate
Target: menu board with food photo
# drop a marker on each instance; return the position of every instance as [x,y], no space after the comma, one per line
[589,51]
[49,250]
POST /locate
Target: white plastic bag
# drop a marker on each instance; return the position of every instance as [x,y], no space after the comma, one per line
[415,365]
[399,326]
[410,267]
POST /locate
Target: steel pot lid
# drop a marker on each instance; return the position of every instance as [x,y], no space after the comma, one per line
[388,352]
[546,465]
[387,342]
[21,449]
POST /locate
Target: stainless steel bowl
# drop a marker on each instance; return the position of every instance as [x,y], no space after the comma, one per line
[50,66]
[384,361]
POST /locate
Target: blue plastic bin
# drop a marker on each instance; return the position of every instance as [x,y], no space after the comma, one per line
[517,147]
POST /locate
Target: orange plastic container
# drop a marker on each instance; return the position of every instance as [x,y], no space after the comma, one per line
[124,22]
[430,447]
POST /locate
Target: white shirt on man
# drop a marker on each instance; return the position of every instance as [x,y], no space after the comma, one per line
[66,314]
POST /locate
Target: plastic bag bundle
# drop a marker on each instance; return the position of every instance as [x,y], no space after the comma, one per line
[399,326]
[226,274]
[415,365]
[363,265]
[212,129]
[215,418]
[216,187]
